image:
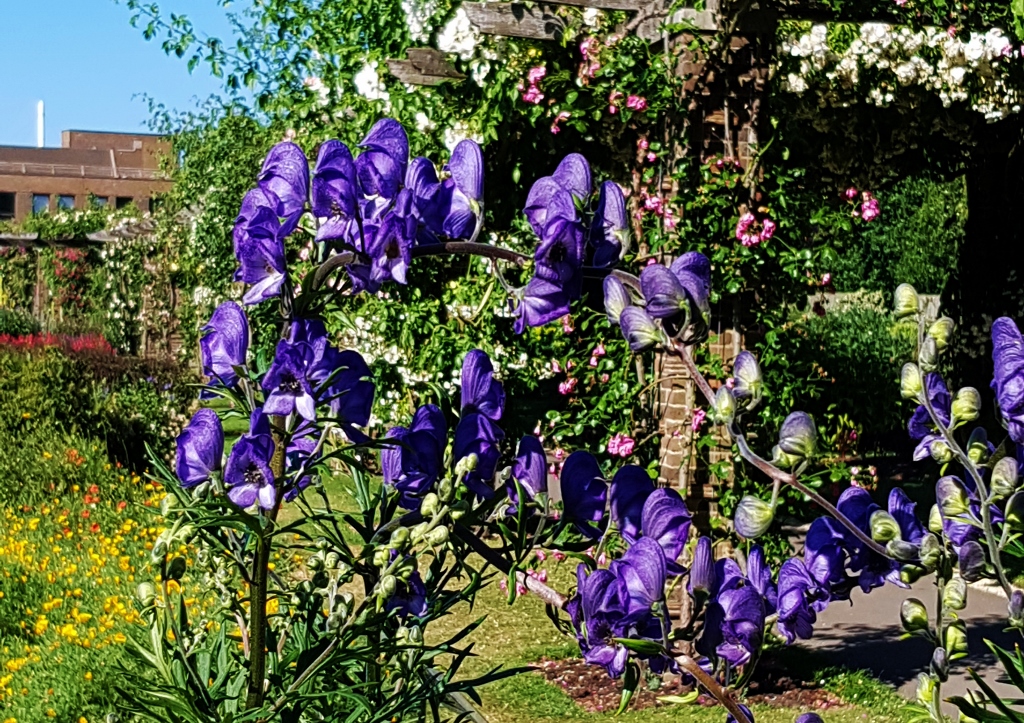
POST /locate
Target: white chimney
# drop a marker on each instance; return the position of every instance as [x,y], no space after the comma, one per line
[40,125]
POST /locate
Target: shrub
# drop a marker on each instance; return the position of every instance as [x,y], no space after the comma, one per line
[17,322]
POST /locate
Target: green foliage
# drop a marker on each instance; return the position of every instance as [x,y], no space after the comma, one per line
[17,322]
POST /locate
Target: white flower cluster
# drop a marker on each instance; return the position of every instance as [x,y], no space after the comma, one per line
[418,14]
[888,58]
[459,36]
[459,132]
[368,84]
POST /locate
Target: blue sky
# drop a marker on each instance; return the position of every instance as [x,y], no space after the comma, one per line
[90,67]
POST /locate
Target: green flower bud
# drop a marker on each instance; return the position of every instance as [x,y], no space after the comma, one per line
[782,460]
[930,552]
[146,594]
[467,464]
[935,520]
[909,574]
[1015,511]
[334,622]
[381,557]
[437,536]
[911,386]
[1004,477]
[176,568]
[159,550]
[956,640]
[430,505]
[322,543]
[940,452]
[798,436]
[906,302]
[419,531]
[952,497]
[415,635]
[331,560]
[954,594]
[977,446]
[913,615]
[902,551]
[316,562]
[387,586]
[399,538]
[725,406]
[967,405]
[928,356]
[925,689]
[446,490]
[753,517]
[941,330]
[884,527]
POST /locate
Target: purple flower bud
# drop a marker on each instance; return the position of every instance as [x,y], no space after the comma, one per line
[972,561]
[616,298]
[381,167]
[225,343]
[639,328]
[951,496]
[809,718]
[940,664]
[1008,378]
[259,246]
[798,436]
[530,468]
[541,302]
[747,373]
[1016,608]
[609,232]
[335,185]
[573,174]
[702,573]
[200,448]
[665,296]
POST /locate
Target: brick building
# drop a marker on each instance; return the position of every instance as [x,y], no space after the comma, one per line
[89,167]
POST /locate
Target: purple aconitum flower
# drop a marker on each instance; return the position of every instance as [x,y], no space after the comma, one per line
[798,436]
[971,560]
[540,302]
[285,173]
[596,612]
[336,193]
[609,231]
[432,199]
[467,176]
[747,373]
[411,599]
[412,464]
[259,247]
[559,257]
[391,247]
[573,174]
[666,520]
[921,427]
[734,626]
[808,718]
[641,575]
[530,470]
[639,329]
[286,385]
[693,270]
[248,476]
[298,459]
[759,575]
[665,296]
[224,344]
[477,434]
[200,448]
[702,573]
[480,391]
[616,298]
[905,513]
[800,599]
[381,167]
[628,493]
[1008,378]
[584,492]
[825,556]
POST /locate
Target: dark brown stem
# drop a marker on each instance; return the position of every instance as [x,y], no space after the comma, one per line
[545,593]
[711,685]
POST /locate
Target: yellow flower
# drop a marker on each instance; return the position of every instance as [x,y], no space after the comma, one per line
[26,415]
[88,675]
[82,719]
[11,720]
[47,455]
[51,713]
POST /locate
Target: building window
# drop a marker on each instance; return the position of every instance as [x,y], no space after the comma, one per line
[99,201]
[123,201]
[40,203]
[65,201]
[6,205]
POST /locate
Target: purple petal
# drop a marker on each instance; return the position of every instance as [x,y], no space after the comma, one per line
[665,518]
[335,184]
[480,391]
[467,169]
[530,468]
[639,328]
[542,302]
[616,298]
[285,173]
[225,343]
[200,448]
[583,491]
[629,491]
[573,174]
[665,296]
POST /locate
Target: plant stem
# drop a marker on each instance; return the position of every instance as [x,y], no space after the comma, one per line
[767,467]
[711,685]
[545,593]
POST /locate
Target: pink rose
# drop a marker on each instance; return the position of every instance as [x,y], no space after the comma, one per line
[637,103]
[536,74]
[599,350]
[643,144]
[698,419]
[626,446]
[851,193]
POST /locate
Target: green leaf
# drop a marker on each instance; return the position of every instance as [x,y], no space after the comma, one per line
[629,685]
[641,647]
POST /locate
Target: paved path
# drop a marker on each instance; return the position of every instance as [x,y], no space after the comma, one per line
[865,635]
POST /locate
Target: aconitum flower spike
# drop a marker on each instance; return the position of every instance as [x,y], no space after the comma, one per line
[753,517]
[248,476]
[702,572]
[225,343]
[906,301]
[972,561]
[200,448]
[800,597]
[1008,377]
[480,391]
[628,493]
[639,329]
[286,385]
[665,518]
[616,298]
[584,492]
[747,373]
[285,173]
[798,436]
